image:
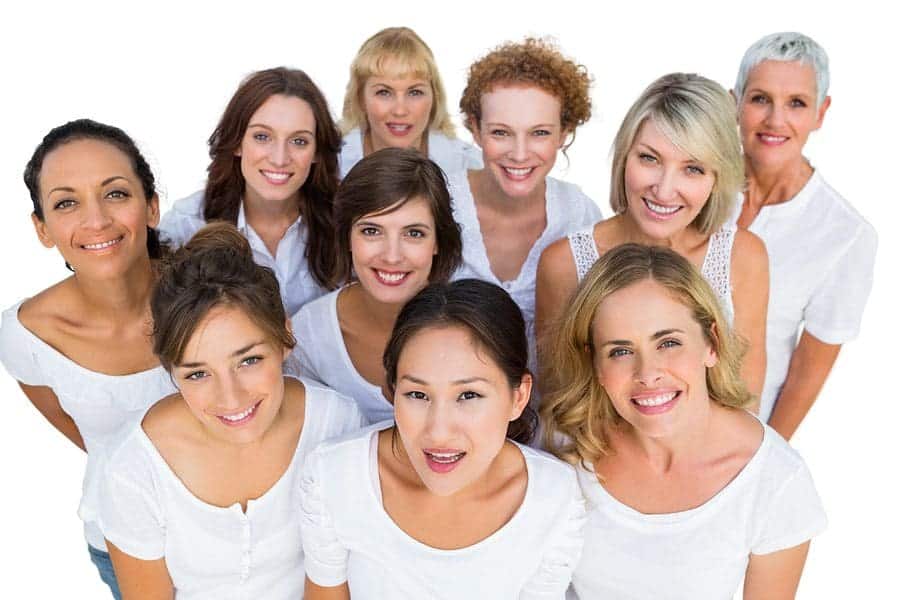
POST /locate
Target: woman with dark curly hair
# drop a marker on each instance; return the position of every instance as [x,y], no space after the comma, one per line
[522,103]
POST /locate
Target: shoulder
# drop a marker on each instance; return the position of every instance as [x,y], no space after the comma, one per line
[332,412]
[836,214]
[557,257]
[350,448]
[129,458]
[576,202]
[749,252]
[181,221]
[189,206]
[547,473]
[312,313]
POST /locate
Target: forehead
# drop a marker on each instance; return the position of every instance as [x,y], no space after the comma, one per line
[285,113]
[397,69]
[219,333]
[650,134]
[415,210]
[445,353]
[792,76]
[84,162]
[524,105]
[640,310]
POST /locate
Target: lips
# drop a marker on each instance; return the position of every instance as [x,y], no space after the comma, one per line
[399,129]
[442,460]
[240,418]
[657,402]
[276,177]
[391,277]
[769,139]
[660,211]
[517,174]
[102,245]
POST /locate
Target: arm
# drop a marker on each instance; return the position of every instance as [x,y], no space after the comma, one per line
[750,295]
[775,576]
[317,592]
[45,400]
[810,364]
[556,282]
[141,579]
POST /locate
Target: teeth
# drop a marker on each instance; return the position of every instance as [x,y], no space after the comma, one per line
[772,138]
[390,277]
[659,208]
[445,458]
[102,245]
[396,127]
[240,415]
[655,400]
[518,172]
[276,176]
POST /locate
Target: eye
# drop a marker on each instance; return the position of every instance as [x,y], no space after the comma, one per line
[369,231]
[63,204]
[499,132]
[670,343]
[300,141]
[251,360]
[417,92]
[196,375]
[758,99]
[261,137]
[647,158]
[118,194]
[416,395]
[540,132]
[798,103]
[383,92]
[417,234]
[469,395]
[617,352]
[696,170]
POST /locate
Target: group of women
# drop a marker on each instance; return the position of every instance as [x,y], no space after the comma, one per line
[387,273]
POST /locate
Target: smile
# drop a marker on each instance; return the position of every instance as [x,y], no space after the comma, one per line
[656,403]
[391,277]
[772,140]
[661,210]
[103,245]
[241,417]
[514,173]
[443,461]
[399,128]
[276,177]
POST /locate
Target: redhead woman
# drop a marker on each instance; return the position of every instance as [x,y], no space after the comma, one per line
[522,102]
[395,99]
[199,500]
[687,493]
[94,200]
[819,287]
[447,503]
[396,234]
[273,175]
[677,169]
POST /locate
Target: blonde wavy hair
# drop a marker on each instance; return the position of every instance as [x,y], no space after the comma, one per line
[576,411]
[395,52]
[698,116]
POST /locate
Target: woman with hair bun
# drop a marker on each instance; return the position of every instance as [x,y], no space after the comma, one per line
[199,500]
[448,502]
[273,175]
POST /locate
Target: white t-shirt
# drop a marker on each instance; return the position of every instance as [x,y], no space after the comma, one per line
[101,405]
[213,552]
[568,211]
[290,265]
[321,355]
[451,155]
[348,536]
[821,258]
[770,505]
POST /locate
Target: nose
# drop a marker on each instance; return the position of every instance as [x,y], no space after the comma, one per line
[279,156]
[666,188]
[399,107]
[95,215]
[519,150]
[439,424]
[393,250]
[775,117]
[232,395]
[647,371]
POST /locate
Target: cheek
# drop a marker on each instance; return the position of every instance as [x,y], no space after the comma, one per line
[697,191]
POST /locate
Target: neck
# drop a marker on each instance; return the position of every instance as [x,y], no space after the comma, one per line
[489,194]
[266,215]
[681,241]
[775,184]
[121,299]
[689,444]
[371,145]
[382,315]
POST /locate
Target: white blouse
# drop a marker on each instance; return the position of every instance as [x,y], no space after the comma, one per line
[348,536]
[703,552]
[320,354]
[450,154]
[213,552]
[101,405]
[290,265]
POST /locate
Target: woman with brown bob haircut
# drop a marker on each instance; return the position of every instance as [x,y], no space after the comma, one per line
[396,234]
[688,493]
[273,175]
[199,499]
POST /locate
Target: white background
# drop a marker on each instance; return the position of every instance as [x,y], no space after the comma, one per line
[164,73]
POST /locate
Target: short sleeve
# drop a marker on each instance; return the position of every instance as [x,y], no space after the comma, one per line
[325,557]
[130,514]
[562,554]
[834,312]
[17,352]
[794,516]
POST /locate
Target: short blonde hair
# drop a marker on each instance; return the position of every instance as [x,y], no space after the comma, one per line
[576,411]
[394,52]
[699,117]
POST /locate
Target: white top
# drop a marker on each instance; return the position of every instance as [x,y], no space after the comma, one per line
[568,210]
[348,536]
[770,505]
[213,552]
[450,154]
[101,405]
[290,265]
[320,354]
[821,257]
[716,266]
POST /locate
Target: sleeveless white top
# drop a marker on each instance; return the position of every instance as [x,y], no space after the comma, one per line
[716,264]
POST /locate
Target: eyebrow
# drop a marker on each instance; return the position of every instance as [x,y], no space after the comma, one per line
[762,91]
[689,161]
[106,181]
[463,381]
[655,336]
[247,348]
[501,124]
[264,126]
[374,224]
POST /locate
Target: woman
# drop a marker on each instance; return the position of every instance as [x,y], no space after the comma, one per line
[200,498]
[395,98]
[687,493]
[820,285]
[396,234]
[522,103]
[94,199]
[448,502]
[273,175]
[676,172]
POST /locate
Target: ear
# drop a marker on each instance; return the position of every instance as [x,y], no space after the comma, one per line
[287,351]
[475,128]
[712,357]
[565,137]
[521,396]
[822,110]
[41,229]
[153,211]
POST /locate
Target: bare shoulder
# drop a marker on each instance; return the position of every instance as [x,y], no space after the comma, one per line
[749,258]
[742,433]
[166,419]
[557,261]
[47,313]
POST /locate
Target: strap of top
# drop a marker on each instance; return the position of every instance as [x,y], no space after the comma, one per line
[717,264]
[584,250]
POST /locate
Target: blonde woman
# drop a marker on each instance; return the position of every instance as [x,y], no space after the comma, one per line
[687,492]
[677,170]
[395,98]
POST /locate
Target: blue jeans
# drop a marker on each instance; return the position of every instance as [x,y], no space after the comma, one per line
[104,566]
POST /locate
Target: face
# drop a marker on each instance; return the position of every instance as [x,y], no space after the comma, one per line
[519,135]
[95,211]
[665,187]
[398,110]
[452,405]
[393,251]
[230,376]
[778,111]
[651,356]
[278,150]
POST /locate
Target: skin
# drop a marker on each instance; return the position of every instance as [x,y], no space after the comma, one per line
[90,194]
[277,152]
[519,129]
[228,366]
[400,241]
[397,111]
[449,395]
[660,172]
[776,115]
[647,344]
